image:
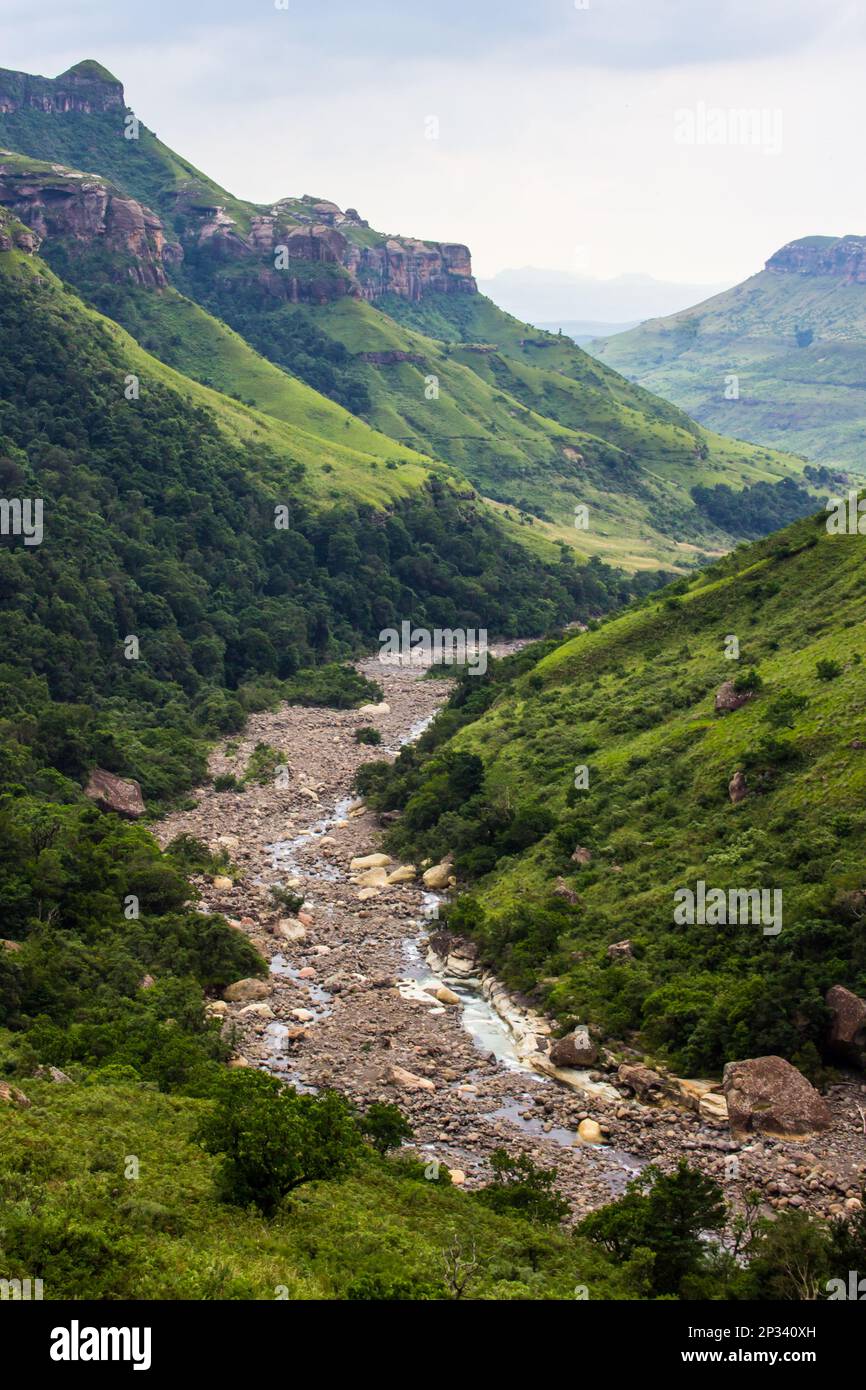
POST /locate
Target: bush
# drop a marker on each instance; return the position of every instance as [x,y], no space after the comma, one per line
[367,734]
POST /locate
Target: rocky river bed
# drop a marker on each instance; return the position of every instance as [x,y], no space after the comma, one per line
[351,1001]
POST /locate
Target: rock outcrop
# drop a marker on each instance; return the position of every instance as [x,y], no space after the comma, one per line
[86,87]
[729,698]
[737,788]
[119,794]
[846,1039]
[766,1095]
[84,210]
[843,257]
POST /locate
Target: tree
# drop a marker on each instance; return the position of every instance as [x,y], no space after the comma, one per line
[385,1126]
[272,1139]
[666,1213]
[521,1188]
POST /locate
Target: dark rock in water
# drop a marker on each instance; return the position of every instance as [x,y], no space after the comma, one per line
[119,794]
[766,1095]
[574,1050]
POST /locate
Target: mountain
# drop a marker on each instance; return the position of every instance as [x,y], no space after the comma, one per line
[391,328]
[584,783]
[779,360]
[552,298]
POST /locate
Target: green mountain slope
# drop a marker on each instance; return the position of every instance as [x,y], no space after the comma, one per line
[794,336]
[393,329]
[633,702]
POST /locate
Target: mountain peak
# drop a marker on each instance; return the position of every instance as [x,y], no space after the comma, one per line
[86,86]
[89,70]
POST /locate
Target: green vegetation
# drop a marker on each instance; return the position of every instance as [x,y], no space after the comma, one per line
[79,1214]
[797,344]
[495,782]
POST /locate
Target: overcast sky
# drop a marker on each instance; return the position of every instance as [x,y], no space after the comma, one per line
[583,139]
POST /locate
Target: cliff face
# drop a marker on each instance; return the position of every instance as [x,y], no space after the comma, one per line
[86,87]
[316,233]
[86,210]
[328,252]
[842,257]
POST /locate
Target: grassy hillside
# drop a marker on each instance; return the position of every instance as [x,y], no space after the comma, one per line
[633,702]
[74,1218]
[797,343]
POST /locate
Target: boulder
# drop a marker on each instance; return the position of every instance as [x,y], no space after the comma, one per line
[291,930]
[582,855]
[10,945]
[590,1132]
[244,990]
[737,788]
[373,878]
[303,1015]
[53,1074]
[439,876]
[766,1095]
[119,794]
[646,1084]
[405,874]
[383,708]
[10,1095]
[366,893]
[223,884]
[446,995]
[729,698]
[562,890]
[370,861]
[576,1049]
[620,950]
[846,1039]
[458,1177]
[408,1081]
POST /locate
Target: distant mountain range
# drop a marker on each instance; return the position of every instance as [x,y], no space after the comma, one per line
[583,305]
[779,359]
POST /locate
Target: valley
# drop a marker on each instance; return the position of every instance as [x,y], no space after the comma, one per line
[350,1002]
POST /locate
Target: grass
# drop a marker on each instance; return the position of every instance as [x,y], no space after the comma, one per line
[73,1217]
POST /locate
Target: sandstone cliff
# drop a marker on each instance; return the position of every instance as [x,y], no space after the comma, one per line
[57,202]
[85,87]
[843,257]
